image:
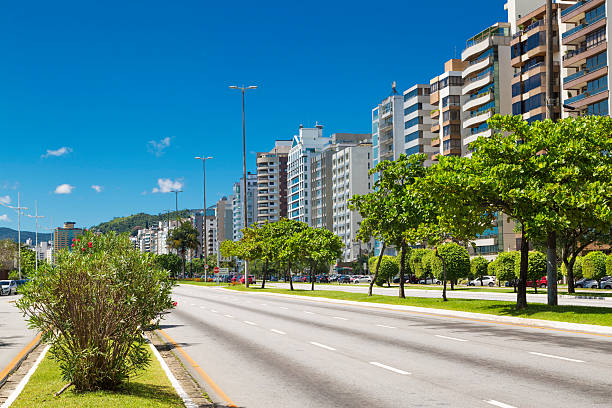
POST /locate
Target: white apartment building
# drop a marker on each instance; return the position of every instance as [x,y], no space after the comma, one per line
[418,122]
[388,140]
[272,182]
[305,145]
[350,176]
[238,203]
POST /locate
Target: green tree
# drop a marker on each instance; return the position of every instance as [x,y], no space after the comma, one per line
[479,267]
[506,265]
[608,265]
[316,247]
[169,262]
[182,239]
[388,268]
[594,265]
[416,258]
[93,305]
[576,270]
[457,260]
[536,268]
[427,263]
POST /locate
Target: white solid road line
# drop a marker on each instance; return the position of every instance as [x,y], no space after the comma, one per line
[449,338]
[282,307]
[277,331]
[339,318]
[557,357]
[202,307]
[264,304]
[386,327]
[314,343]
[214,311]
[228,315]
[251,323]
[306,311]
[499,404]
[386,367]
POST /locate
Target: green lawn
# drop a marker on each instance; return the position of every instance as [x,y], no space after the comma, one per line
[573,314]
[199,283]
[149,389]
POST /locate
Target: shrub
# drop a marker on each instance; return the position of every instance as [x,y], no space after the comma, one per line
[536,266]
[457,261]
[479,267]
[93,306]
[594,265]
[427,262]
[505,266]
[415,261]
[608,265]
[388,269]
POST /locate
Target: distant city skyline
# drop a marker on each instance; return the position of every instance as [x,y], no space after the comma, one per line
[105,105]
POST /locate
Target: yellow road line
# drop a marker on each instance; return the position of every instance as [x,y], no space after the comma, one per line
[474,319]
[19,356]
[199,369]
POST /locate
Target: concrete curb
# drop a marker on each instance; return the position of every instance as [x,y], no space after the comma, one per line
[519,321]
[15,364]
[24,380]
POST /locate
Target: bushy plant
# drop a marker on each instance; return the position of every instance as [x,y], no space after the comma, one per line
[608,265]
[577,268]
[169,262]
[479,267]
[536,266]
[388,269]
[415,261]
[594,265]
[505,266]
[427,261]
[457,261]
[92,307]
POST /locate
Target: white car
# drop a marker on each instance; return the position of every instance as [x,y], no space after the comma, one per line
[362,279]
[8,287]
[486,281]
[430,281]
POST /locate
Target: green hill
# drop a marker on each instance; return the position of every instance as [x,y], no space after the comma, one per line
[142,220]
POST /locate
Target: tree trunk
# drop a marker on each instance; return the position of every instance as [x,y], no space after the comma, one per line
[183,264]
[569,267]
[263,279]
[443,275]
[521,295]
[382,252]
[452,285]
[551,268]
[402,294]
[535,288]
[312,269]
[290,279]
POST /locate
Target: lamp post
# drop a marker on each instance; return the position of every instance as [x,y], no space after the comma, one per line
[36,216]
[176,193]
[18,209]
[204,247]
[243,89]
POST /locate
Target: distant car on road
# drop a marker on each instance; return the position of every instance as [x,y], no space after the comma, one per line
[606,282]
[429,281]
[587,283]
[251,279]
[8,287]
[322,279]
[541,283]
[486,281]
[344,279]
[362,279]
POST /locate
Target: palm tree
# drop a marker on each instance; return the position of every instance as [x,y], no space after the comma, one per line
[183,238]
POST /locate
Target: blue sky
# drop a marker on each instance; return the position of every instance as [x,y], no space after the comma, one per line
[123,94]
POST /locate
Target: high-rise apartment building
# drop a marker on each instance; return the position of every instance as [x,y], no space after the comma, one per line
[486,81]
[584,33]
[63,236]
[272,182]
[238,204]
[308,143]
[225,219]
[350,168]
[446,99]
[388,140]
[418,122]
[210,231]
[321,176]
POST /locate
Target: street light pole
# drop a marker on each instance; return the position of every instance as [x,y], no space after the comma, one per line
[243,89]
[176,193]
[18,209]
[204,246]
[36,216]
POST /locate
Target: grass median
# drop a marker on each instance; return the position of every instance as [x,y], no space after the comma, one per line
[572,314]
[151,388]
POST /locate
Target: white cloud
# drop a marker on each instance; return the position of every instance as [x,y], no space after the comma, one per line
[97,188]
[157,148]
[62,151]
[64,189]
[4,218]
[5,199]
[167,185]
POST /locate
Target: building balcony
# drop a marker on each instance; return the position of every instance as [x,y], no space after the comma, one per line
[453,151]
[477,83]
[435,113]
[576,12]
[577,34]
[469,139]
[576,58]
[587,98]
[435,142]
[479,66]
[434,98]
[479,101]
[478,119]
[580,78]
[435,128]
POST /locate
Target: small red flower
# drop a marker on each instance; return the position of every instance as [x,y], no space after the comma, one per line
[90,244]
[82,249]
[77,240]
[73,245]
[73,239]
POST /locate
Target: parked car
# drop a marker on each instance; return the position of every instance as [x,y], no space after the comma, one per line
[606,282]
[344,279]
[362,279]
[251,279]
[273,278]
[8,287]
[429,281]
[540,283]
[322,279]
[587,283]
[486,281]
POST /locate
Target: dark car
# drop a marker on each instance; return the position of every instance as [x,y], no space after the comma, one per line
[344,279]
[322,279]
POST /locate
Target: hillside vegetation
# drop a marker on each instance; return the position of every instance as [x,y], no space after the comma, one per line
[128,224]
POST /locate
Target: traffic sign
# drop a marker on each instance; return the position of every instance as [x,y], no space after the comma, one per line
[205,267]
[216,269]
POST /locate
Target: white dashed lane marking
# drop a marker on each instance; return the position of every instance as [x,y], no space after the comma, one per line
[386,367]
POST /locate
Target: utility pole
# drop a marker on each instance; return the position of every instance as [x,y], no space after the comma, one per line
[204,246]
[176,193]
[243,89]
[551,239]
[36,217]
[18,209]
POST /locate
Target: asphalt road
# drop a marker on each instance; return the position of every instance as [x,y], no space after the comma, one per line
[456,294]
[270,351]
[14,334]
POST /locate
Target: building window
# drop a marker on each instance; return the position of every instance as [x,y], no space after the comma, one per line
[411,151]
[413,108]
[451,115]
[413,136]
[597,85]
[412,122]
[599,108]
